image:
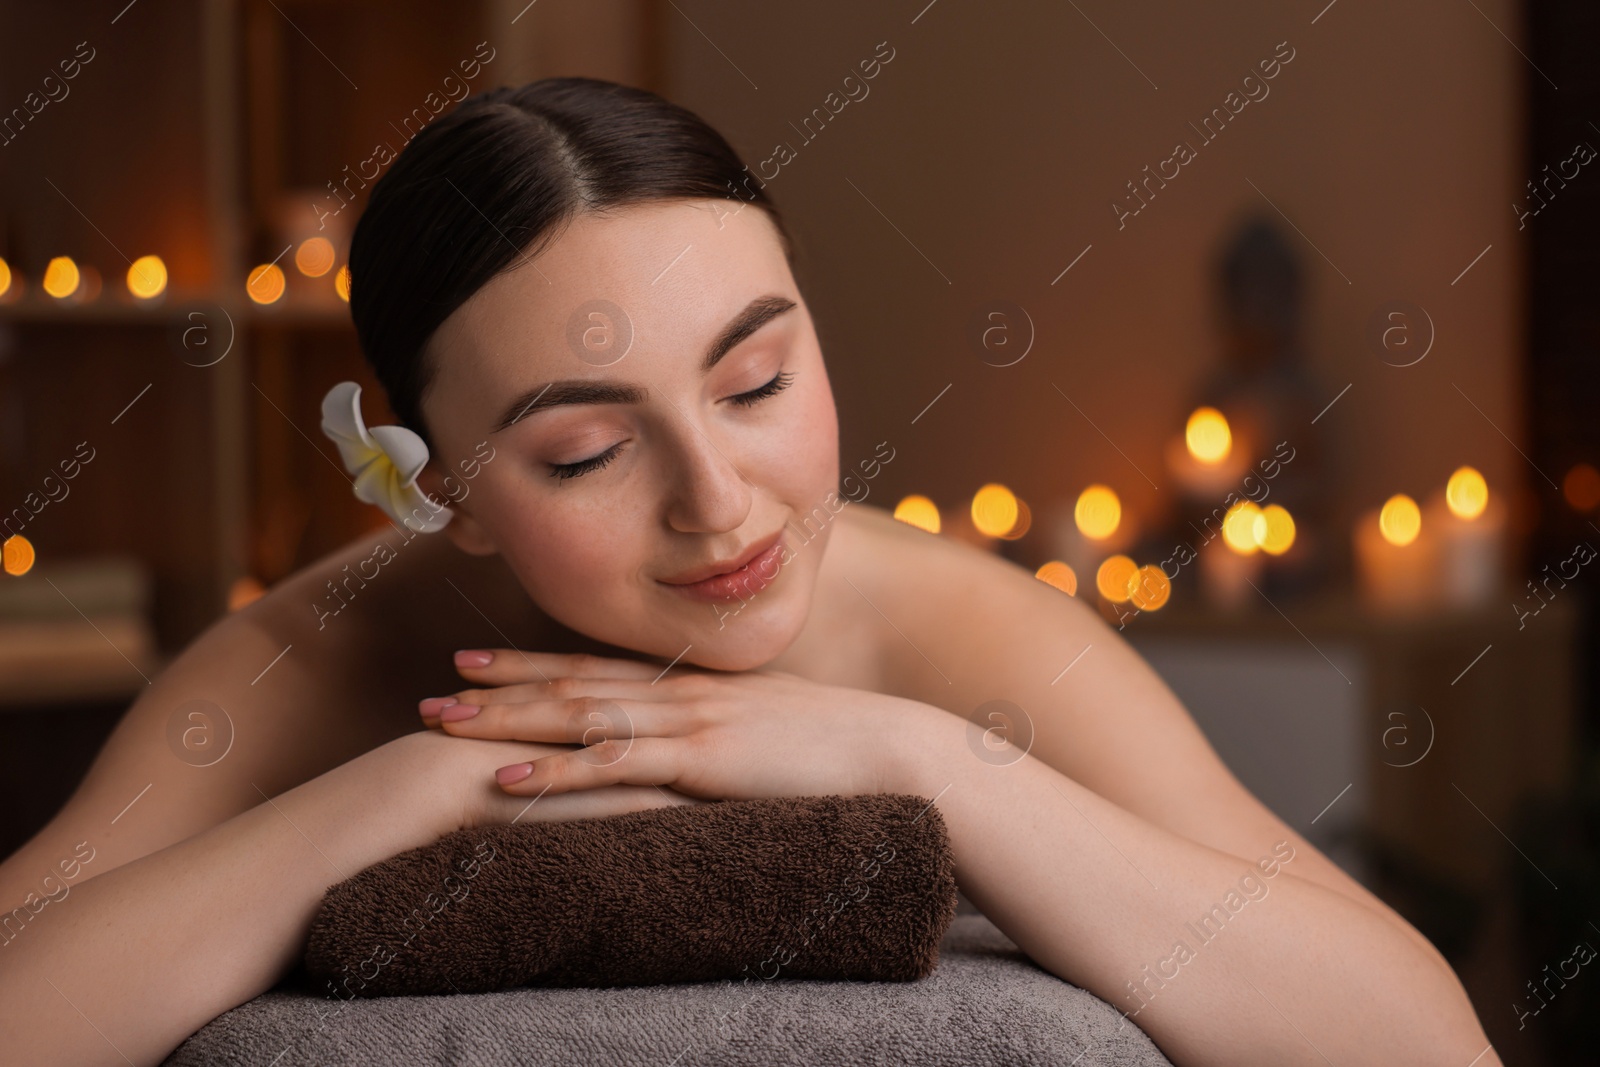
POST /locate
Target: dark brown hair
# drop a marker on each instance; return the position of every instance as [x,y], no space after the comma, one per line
[490,183]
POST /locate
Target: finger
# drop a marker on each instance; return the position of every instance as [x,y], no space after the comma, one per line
[429,709]
[557,689]
[509,666]
[578,721]
[640,761]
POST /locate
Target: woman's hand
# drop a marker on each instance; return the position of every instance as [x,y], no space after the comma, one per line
[711,734]
[455,787]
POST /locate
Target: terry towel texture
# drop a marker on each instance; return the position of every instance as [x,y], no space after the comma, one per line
[986,1005]
[831,887]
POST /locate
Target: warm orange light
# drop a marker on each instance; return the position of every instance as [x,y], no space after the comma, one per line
[147,277]
[1581,487]
[5,277]
[61,277]
[918,511]
[1114,577]
[1400,520]
[1097,512]
[1273,530]
[341,283]
[1023,523]
[1059,575]
[244,591]
[1208,436]
[1149,588]
[265,284]
[314,257]
[16,555]
[994,510]
[1239,527]
[1466,494]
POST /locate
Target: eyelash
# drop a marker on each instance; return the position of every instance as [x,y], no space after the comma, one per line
[564,471]
[772,388]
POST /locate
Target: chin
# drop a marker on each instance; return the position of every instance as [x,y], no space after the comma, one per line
[746,641]
[743,646]
[743,657]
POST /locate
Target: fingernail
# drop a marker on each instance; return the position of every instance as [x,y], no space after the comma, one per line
[433,705]
[474,658]
[457,712]
[514,773]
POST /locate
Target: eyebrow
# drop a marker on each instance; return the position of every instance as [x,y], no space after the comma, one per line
[756,314]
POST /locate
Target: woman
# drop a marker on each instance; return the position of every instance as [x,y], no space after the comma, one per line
[581,307]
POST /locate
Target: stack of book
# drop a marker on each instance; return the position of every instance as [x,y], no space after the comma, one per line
[76,631]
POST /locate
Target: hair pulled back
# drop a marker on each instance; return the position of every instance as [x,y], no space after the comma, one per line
[494,181]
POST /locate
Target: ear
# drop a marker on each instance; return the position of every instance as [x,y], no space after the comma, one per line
[463,529]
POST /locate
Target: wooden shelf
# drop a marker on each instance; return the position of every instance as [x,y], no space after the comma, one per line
[215,471]
[175,310]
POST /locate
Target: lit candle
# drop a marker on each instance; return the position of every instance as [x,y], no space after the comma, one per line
[1085,530]
[1396,553]
[1226,573]
[1471,525]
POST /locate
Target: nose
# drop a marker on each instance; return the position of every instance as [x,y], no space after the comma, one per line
[708,492]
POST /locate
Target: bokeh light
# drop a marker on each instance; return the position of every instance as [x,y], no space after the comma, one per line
[16,555]
[1208,436]
[1149,588]
[5,277]
[1466,494]
[1273,530]
[1059,575]
[341,283]
[147,277]
[314,257]
[1400,520]
[1239,527]
[61,277]
[1114,577]
[1024,521]
[265,284]
[918,511]
[1581,487]
[994,510]
[1098,512]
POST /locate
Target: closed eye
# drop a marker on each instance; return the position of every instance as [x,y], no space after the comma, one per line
[564,471]
[772,388]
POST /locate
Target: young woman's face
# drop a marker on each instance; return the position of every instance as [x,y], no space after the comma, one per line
[623,465]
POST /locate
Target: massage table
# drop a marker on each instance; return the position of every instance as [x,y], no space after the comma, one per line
[986,1003]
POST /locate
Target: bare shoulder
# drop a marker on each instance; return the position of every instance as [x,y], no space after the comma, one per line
[977,635]
[962,628]
[327,665]
[953,594]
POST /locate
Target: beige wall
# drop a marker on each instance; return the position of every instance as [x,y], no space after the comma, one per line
[996,140]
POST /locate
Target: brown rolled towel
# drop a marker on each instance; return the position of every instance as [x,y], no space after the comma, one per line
[829,887]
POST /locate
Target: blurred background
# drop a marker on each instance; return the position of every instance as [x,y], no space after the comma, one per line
[1266,327]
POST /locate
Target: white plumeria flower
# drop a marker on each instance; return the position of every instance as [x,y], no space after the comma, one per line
[384,461]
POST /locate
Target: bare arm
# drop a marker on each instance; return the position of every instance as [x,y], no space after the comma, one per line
[264,700]
[130,963]
[1103,851]
[1218,960]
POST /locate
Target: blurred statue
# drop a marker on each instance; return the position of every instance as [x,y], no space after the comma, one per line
[1261,389]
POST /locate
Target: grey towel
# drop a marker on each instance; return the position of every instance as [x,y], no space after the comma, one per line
[986,1004]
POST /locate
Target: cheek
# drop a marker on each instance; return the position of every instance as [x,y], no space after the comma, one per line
[807,459]
[562,551]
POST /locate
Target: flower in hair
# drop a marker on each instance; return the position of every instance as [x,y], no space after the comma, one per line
[383,461]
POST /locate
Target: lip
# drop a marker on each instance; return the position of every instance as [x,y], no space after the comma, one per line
[750,572]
